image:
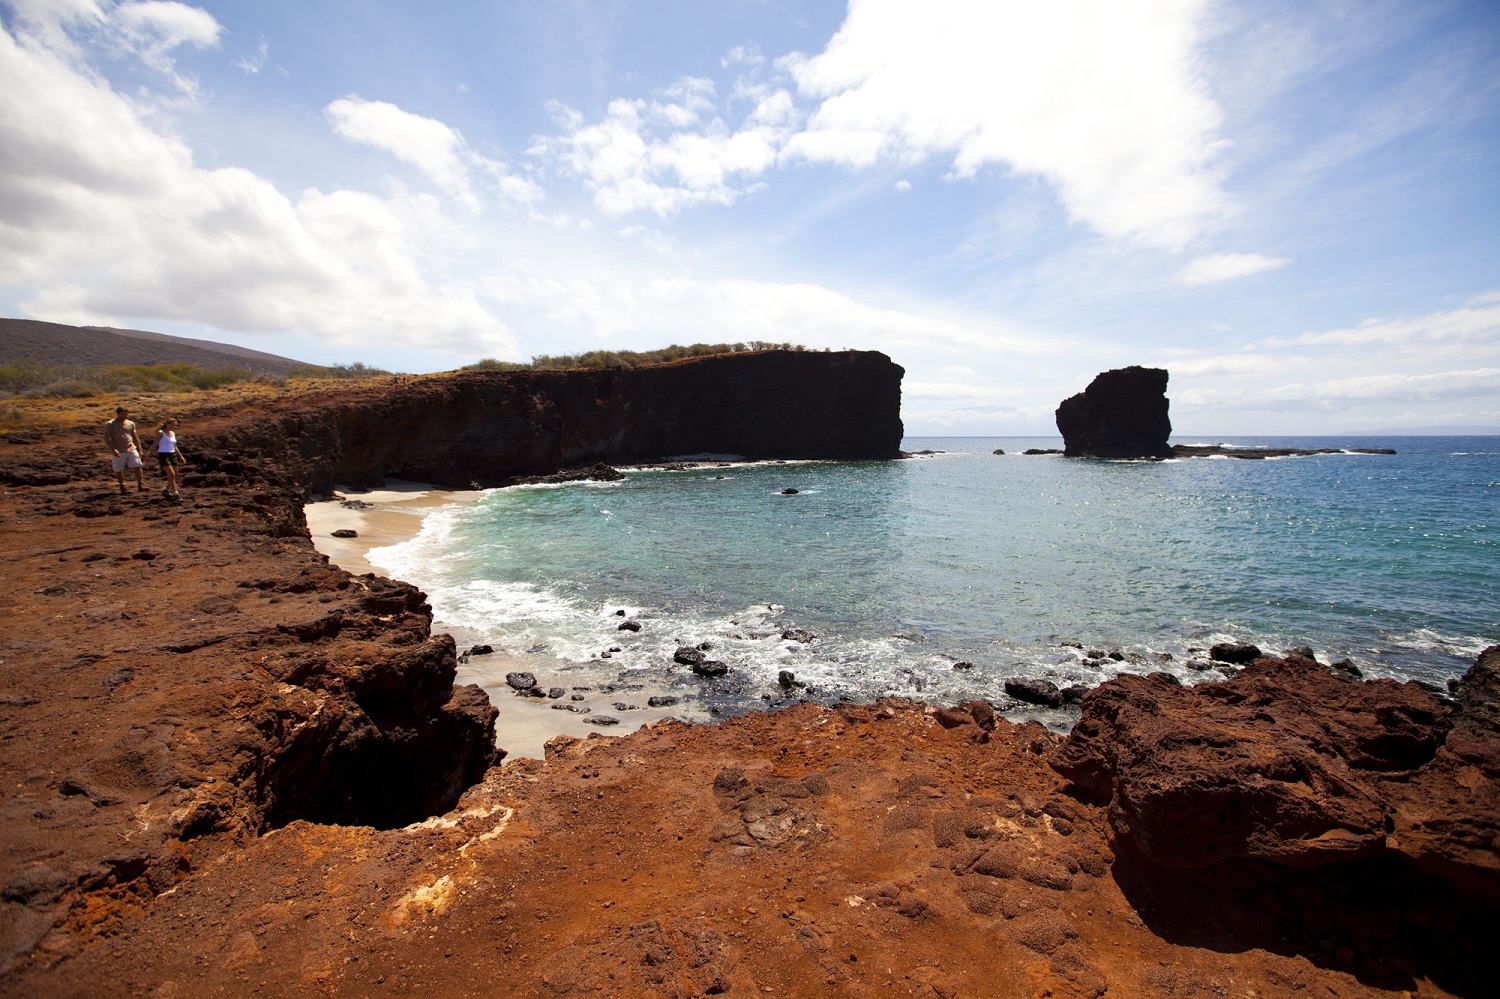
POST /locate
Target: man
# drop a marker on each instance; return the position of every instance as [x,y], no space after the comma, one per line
[125,447]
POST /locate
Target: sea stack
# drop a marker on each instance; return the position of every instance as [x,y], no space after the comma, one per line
[1122,414]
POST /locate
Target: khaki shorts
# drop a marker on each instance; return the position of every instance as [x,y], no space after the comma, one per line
[124,460]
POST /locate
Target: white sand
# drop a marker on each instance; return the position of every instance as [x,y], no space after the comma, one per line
[525,723]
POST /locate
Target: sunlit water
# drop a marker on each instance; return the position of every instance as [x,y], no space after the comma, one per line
[905,569]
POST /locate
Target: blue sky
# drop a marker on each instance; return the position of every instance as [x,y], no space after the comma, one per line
[1293,207]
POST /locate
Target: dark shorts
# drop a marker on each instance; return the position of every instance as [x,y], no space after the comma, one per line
[165,458]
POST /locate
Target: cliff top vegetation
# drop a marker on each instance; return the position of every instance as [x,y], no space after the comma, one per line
[599,359]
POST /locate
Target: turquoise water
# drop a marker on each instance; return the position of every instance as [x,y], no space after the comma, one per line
[903,569]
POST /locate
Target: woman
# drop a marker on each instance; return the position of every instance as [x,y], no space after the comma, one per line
[168,456]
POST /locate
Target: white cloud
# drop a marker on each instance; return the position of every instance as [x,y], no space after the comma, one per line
[1478,320]
[253,64]
[1429,360]
[1103,98]
[112,220]
[1228,266]
[432,147]
[148,30]
[158,26]
[1339,394]
[671,152]
[902,185]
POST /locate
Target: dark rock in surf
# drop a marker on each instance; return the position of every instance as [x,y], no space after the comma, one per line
[1043,692]
[345,532]
[661,701]
[688,657]
[1300,652]
[1234,652]
[1122,414]
[520,681]
[1043,450]
[481,650]
[798,635]
[998,450]
[789,491]
[629,626]
[710,667]
[788,680]
[1346,669]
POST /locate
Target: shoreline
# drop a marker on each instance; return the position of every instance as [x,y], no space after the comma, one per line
[524,725]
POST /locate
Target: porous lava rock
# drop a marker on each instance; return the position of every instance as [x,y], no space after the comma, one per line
[1293,763]
[1122,414]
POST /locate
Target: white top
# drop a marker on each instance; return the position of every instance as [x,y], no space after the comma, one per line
[166,442]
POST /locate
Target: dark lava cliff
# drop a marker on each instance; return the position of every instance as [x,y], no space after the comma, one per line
[492,428]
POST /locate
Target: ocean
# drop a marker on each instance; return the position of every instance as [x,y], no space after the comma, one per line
[940,576]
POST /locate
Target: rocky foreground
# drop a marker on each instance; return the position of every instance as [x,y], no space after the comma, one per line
[231,768]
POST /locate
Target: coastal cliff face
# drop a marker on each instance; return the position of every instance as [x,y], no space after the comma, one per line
[1122,414]
[492,428]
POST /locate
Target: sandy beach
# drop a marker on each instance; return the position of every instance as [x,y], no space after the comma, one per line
[394,514]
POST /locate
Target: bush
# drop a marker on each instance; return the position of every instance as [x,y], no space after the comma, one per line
[492,364]
[600,359]
[356,370]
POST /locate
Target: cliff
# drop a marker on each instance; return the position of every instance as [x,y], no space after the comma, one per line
[492,428]
[1122,414]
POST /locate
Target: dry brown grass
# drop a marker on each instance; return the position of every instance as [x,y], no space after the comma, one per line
[42,414]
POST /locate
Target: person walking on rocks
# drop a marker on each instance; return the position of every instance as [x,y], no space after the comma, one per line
[125,448]
[169,456]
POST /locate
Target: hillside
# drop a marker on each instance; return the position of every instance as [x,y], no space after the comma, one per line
[57,344]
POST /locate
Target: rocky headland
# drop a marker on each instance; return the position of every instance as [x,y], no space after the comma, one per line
[1124,413]
[233,768]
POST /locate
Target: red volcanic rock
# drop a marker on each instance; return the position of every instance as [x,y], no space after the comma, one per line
[1447,817]
[1122,414]
[1290,763]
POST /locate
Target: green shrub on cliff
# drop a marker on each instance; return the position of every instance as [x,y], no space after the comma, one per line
[601,359]
[356,370]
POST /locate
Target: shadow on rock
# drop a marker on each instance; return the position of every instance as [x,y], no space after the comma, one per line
[1381,919]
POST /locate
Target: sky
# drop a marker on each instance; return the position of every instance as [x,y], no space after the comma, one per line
[1292,206]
